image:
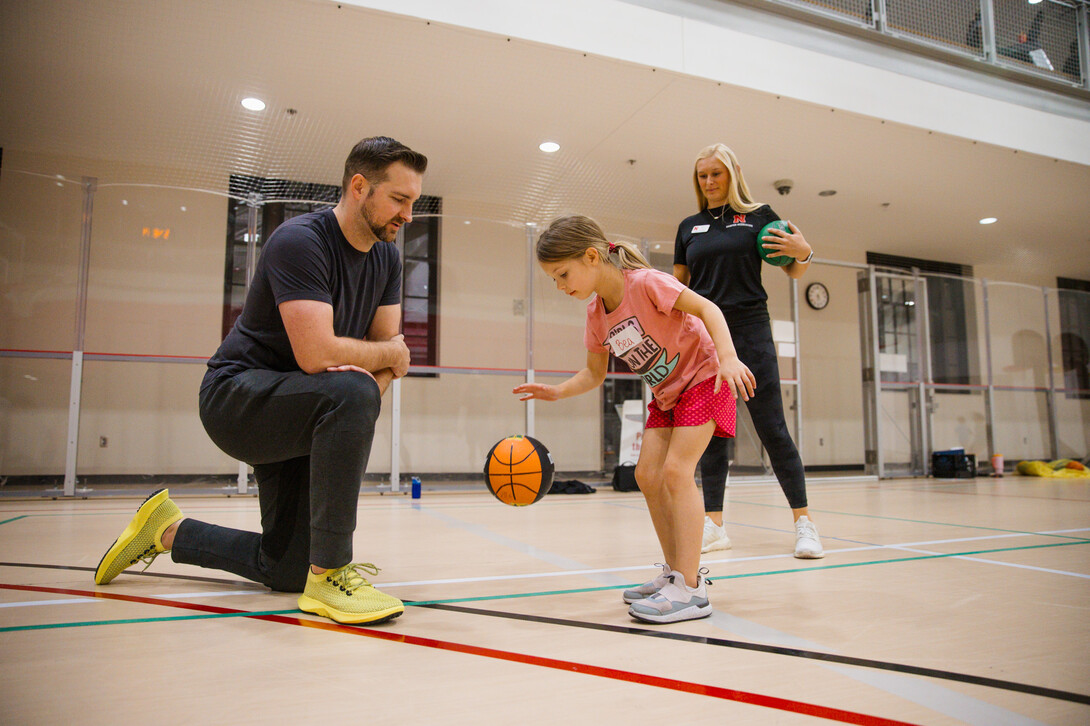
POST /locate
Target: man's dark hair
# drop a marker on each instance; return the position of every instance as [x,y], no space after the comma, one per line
[373,156]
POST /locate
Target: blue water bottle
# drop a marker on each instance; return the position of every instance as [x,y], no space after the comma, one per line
[416,487]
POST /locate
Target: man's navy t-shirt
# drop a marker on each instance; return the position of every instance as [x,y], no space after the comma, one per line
[723,261]
[307,258]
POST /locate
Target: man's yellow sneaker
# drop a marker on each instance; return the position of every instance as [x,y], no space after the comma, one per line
[346,596]
[141,541]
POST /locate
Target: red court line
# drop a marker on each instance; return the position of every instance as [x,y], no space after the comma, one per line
[729,694]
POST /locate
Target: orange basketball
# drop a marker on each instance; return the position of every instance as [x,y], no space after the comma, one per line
[519,470]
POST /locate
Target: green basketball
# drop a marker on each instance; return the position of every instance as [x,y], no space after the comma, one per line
[780,260]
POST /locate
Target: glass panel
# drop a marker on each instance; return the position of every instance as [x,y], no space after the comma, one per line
[571,428]
[415,310]
[482,296]
[449,422]
[155,285]
[898,341]
[831,370]
[956,330]
[33,416]
[1017,316]
[959,419]
[40,231]
[416,278]
[1069,323]
[750,458]
[147,415]
[901,450]
[1021,425]
[1073,423]
[416,240]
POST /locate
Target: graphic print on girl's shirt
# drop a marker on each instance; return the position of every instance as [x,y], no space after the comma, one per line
[641,352]
[669,349]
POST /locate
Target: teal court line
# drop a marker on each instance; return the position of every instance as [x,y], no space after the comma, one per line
[21,516]
[129,621]
[754,574]
[919,521]
[422,603]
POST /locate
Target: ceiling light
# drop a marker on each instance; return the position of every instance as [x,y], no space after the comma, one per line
[253,104]
[1034,2]
[989,220]
[549,147]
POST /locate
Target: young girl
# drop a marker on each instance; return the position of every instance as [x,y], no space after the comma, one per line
[679,342]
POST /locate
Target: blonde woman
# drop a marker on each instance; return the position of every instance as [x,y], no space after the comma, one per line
[716,256]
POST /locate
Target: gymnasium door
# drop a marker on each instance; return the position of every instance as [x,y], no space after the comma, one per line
[893,311]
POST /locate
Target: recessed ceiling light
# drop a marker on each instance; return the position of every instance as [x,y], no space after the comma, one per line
[989,220]
[549,147]
[124,202]
[253,104]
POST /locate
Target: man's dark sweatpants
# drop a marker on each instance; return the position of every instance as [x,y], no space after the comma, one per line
[308,438]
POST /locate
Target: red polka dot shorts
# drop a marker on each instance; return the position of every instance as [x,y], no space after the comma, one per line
[695,407]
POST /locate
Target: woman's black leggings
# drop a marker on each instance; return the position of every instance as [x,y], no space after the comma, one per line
[755,347]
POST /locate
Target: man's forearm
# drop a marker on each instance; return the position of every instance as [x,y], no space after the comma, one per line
[370,355]
[383,379]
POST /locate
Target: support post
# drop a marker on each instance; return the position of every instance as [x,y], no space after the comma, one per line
[989,396]
[89,185]
[531,233]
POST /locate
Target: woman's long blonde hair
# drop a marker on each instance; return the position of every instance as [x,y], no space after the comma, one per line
[572,236]
[738,195]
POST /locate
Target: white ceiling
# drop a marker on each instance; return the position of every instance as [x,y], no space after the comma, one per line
[156,84]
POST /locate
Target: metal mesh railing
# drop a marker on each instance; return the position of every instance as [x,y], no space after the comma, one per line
[1042,38]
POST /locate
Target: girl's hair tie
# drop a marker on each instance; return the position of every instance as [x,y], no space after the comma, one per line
[612,247]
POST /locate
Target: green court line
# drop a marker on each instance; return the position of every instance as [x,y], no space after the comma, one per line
[753,574]
[21,516]
[920,521]
[128,621]
[423,603]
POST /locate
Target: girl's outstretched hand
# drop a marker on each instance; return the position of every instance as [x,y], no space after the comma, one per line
[735,374]
[540,391]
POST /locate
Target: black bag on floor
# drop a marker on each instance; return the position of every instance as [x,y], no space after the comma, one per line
[624,478]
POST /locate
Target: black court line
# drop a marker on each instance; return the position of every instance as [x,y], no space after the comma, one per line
[781,650]
[681,637]
[194,578]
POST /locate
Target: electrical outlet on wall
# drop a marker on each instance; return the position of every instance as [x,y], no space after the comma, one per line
[519,307]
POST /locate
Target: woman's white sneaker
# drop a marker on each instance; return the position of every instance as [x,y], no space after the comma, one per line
[807,542]
[715,537]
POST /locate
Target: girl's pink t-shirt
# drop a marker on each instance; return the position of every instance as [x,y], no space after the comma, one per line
[670,349]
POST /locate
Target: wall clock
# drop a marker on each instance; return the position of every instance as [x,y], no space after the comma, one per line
[817,295]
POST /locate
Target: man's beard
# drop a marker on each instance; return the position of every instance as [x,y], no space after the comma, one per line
[379,230]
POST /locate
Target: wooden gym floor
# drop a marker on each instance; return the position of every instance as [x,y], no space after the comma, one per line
[939,602]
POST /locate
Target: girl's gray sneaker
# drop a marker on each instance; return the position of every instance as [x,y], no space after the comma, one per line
[650,587]
[674,602]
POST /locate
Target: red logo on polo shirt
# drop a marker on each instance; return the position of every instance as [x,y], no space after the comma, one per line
[739,219]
